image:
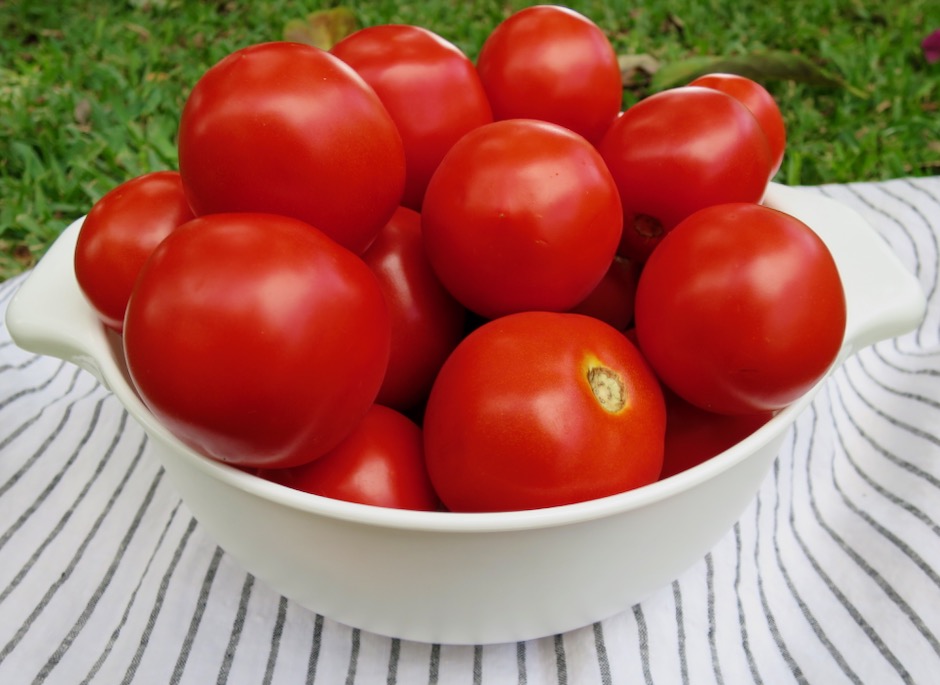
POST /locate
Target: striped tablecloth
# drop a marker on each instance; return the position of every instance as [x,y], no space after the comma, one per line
[832,575]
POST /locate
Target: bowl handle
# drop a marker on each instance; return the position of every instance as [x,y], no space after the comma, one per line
[49,315]
[883,298]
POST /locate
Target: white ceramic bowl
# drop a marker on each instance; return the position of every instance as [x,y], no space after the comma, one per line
[472,578]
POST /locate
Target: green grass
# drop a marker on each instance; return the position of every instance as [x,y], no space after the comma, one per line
[90,90]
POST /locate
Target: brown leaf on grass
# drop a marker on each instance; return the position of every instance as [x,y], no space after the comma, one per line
[637,69]
[82,112]
[323,28]
[773,65]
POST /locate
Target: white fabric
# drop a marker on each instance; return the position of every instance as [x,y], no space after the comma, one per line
[832,574]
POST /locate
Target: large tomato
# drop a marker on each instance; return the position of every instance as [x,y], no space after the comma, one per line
[119,233]
[256,339]
[521,214]
[290,129]
[428,85]
[762,105]
[552,63]
[740,309]
[679,151]
[538,409]
[380,462]
[427,322]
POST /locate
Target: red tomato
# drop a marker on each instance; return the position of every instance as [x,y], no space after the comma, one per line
[427,323]
[679,151]
[612,300]
[740,309]
[521,214]
[256,339]
[290,129]
[118,235]
[539,409]
[694,435]
[762,105]
[381,462]
[551,63]
[430,88]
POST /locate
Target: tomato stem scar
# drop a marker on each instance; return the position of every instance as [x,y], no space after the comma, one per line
[607,387]
[647,226]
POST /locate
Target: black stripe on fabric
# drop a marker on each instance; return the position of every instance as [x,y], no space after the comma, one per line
[115,634]
[895,365]
[895,499]
[861,363]
[644,644]
[712,625]
[50,486]
[561,660]
[831,585]
[316,642]
[198,613]
[477,664]
[86,542]
[355,641]
[22,366]
[237,626]
[276,635]
[31,390]
[742,619]
[761,590]
[680,632]
[521,663]
[932,235]
[600,646]
[434,664]
[394,654]
[158,603]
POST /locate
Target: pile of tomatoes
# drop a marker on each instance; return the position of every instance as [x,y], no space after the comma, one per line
[387,274]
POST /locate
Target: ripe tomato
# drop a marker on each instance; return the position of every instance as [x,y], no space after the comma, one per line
[119,233]
[427,323]
[740,309]
[380,462]
[256,339]
[679,151]
[551,63]
[430,88]
[694,435]
[521,214]
[538,409]
[612,300]
[291,129]
[762,105]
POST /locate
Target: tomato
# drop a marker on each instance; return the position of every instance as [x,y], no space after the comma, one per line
[551,63]
[521,214]
[612,300]
[430,88]
[538,409]
[427,323]
[256,339]
[119,233]
[762,105]
[380,462]
[694,435]
[679,151]
[286,128]
[740,309]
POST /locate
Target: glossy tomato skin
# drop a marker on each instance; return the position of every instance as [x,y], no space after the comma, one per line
[679,151]
[521,214]
[694,435]
[290,129]
[430,88]
[551,63]
[612,301]
[758,99]
[740,309]
[119,233]
[256,339]
[515,419]
[427,322]
[380,463]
